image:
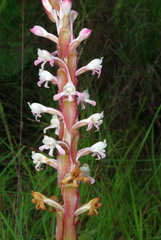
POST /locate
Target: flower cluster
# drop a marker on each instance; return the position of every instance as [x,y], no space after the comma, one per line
[61,151]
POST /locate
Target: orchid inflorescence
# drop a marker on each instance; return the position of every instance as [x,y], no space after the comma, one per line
[65,121]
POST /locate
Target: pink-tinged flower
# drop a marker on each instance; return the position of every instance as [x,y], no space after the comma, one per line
[85,99]
[84,34]
[37,109]
[97,149]
[94,65]
[70,91]
[41,32]
[54,124]
[50,143]
[93,120]
[44,57]
[85,171]
[39,159]
[46,77]
[66,5]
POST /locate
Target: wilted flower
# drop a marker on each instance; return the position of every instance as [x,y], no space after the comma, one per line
[92,207]
[40,200]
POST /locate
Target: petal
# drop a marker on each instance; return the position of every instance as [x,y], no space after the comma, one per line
[60,149]
[91,179]
[90,125]
[58,96]
[93,103]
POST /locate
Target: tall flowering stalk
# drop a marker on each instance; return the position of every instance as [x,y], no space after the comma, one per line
[70,171]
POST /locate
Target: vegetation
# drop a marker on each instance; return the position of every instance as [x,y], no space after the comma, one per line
[127,34]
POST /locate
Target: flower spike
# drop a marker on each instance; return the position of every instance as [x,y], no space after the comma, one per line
[65,122]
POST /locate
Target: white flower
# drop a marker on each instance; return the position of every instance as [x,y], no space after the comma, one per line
[44,57]
[54,124]
[46,77]
[96,120]
[93,120]
[85,99]
[97,149]
[70,91]
[37,109]
[50,143]
[40,159]
[95,65]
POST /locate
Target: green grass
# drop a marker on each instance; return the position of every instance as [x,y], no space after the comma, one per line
[127,34]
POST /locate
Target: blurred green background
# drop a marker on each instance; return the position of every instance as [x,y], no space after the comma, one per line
[128,35]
